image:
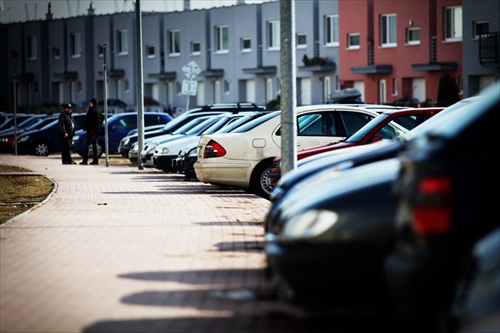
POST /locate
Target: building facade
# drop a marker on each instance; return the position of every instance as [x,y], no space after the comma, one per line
[391,51]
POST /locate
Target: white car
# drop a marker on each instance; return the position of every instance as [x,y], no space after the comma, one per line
[165,153]
[243,158]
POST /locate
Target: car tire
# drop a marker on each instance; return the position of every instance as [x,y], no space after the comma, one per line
[100,150]
[260,183]
[41,149]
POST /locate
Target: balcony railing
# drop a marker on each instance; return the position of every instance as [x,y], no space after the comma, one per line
[489,48]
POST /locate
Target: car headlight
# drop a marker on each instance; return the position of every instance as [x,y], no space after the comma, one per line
[124,142]
[278,165]
[193,152]
[309,225]
[75,138]
[163,151]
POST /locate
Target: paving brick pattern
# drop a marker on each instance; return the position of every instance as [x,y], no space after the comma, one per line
[119,249]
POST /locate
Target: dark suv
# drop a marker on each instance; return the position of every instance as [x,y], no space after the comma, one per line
[210,109]
[445,197]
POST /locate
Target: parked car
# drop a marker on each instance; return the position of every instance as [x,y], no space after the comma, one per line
[9,123]
[476,302]
[341,159]
[46,140]
[328,247]
[35,122]
[211,109]
[165,154]
[445,204]
[243,157]
[194,127]
[388,125]
[118,126]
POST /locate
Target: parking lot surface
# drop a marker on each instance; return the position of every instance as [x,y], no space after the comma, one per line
[119,249]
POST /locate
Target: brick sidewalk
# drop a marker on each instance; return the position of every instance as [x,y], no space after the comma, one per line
[118,249]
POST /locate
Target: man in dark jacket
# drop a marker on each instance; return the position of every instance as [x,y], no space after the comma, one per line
[93,126]
[66,127]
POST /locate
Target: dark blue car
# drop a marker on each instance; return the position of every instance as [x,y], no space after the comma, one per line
[46,140]
[118,127]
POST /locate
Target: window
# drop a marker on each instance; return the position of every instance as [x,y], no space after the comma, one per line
[32,50]
[222,39]
[332,30]
[388,30]
[178,88]
[353,41]
[453,23]
[56,53]
[226,87]
[382,89]
[273,35]
[75,45]
[246,44]
[195,48]
[122,41]
[413,36]
[150,51]
[480,28]
[174,37]
[101,48]
[394,87]
[301,40]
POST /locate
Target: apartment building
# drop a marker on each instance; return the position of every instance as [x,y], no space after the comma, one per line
[389,50]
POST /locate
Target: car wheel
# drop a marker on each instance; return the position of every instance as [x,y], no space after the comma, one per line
[41,149]
[100,150]
[260,182]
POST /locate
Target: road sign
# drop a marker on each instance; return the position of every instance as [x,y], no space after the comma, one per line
[191,69]
[189,87]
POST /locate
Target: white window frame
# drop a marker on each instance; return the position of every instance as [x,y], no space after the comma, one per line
[122,41]
[327,88]
[331,30]
[174,40]
[273,35]
[476,32]
[195,47]
[453,23]
[222,39]
[245,44]
[31,48]
[150,51]
[227,87]
[388,30]
[56,53]
[394,87]
[301,40]
[350,44]
[382,93]
[411,36]
[75,45]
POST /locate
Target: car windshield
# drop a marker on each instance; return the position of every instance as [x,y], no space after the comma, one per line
[388,131]
[239,122]
[193,123]
[441,122]
[256,122]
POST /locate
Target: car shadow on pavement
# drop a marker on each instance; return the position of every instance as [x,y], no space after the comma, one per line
[253,303]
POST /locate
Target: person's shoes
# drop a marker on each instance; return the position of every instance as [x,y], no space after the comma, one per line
[71,162]
[94,163]
[83,163]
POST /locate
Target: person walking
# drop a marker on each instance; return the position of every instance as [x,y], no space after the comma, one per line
[66,125]
[93,126]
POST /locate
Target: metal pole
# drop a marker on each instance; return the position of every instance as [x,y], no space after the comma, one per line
[105,94]
[14,60]
[140,85]
[288,86]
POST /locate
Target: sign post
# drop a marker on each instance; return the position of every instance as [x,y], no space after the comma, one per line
[189,87]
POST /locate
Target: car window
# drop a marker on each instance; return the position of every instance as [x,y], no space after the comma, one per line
[256,122]
[191,124]
[150,120]
[353,121]
[411,121]
[126,122]
[316,124]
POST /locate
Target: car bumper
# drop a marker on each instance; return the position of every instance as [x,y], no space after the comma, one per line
[231,174]
[163,162]
[341,270]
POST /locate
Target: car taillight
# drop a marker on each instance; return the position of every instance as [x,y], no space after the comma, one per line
[432,213]
[214,149]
